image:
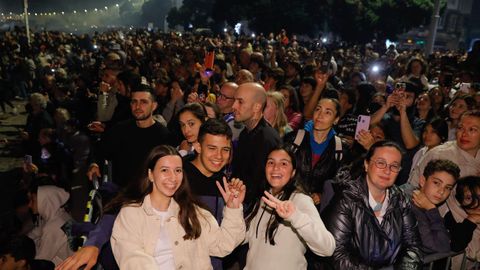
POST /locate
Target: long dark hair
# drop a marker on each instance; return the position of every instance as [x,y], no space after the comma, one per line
[285,194]
[380,144]
[471,183]
[137,190]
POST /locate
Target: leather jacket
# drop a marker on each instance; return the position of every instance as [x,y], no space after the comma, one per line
[361,241]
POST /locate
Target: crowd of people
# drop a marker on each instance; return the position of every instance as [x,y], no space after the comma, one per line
[236,152]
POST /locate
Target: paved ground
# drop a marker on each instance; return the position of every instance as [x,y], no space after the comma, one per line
[10,152]
[11,156]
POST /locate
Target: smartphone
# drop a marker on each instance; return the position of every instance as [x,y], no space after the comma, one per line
[363,123]
[27,159]
[209,59]
[465,87]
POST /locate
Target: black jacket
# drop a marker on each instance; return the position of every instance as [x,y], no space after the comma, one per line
[251,155]
[312,179]
[362,242]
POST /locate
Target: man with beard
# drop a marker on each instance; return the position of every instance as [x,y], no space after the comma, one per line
[256,140]
[397,116]
[128,143]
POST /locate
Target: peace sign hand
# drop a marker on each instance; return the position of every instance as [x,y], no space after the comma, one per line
[284,209]
[233,193]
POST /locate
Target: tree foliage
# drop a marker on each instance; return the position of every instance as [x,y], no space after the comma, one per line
[194,12]
[353,20]
[361,20]
[155,11]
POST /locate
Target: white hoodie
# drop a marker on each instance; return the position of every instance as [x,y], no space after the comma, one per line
[50,240]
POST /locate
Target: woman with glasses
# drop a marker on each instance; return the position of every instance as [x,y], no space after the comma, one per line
[371,219]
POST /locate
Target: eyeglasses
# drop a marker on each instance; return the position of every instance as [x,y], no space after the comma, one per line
[220,95]
[382,164]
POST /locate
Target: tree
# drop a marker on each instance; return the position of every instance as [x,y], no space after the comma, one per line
[194,12]
[353,20]
[361,20]
[155,11]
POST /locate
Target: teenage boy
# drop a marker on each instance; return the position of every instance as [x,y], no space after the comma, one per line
[436,183]
[214,149]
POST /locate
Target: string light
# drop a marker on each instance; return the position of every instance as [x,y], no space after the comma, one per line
[19,16]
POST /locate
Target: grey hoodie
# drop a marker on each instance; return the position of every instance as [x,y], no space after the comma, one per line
[50,240]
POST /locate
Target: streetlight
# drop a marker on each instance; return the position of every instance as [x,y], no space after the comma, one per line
[27,25]
[433,28]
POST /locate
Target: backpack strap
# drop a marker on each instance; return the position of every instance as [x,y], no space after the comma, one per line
[298,139]
[338,149]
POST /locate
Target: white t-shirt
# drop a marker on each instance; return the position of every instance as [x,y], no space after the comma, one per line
[163,253]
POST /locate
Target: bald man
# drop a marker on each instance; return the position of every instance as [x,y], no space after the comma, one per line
[256,140]
[244,76]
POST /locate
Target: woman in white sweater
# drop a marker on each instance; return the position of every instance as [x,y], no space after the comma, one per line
[161,226]
[285,221]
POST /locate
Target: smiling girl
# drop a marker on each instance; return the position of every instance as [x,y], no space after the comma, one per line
[285,221]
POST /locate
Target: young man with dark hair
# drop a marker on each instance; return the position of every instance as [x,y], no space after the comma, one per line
[17,253]
[214,149]
[436,183]
[128,143]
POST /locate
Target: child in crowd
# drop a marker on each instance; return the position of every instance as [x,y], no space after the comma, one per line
[436,183]
[17,253]
[466,235]
[50,240]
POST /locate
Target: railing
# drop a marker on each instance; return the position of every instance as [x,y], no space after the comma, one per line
[430,260]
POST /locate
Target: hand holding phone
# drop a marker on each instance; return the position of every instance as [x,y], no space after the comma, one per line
[209,59]
[465,87]
[363,123]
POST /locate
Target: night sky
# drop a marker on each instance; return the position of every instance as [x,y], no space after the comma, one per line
[54,5]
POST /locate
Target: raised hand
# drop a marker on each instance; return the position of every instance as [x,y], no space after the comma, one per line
[192,97]
[284,209]
[177,93]
[233,193]
[393,100]
[321,79]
